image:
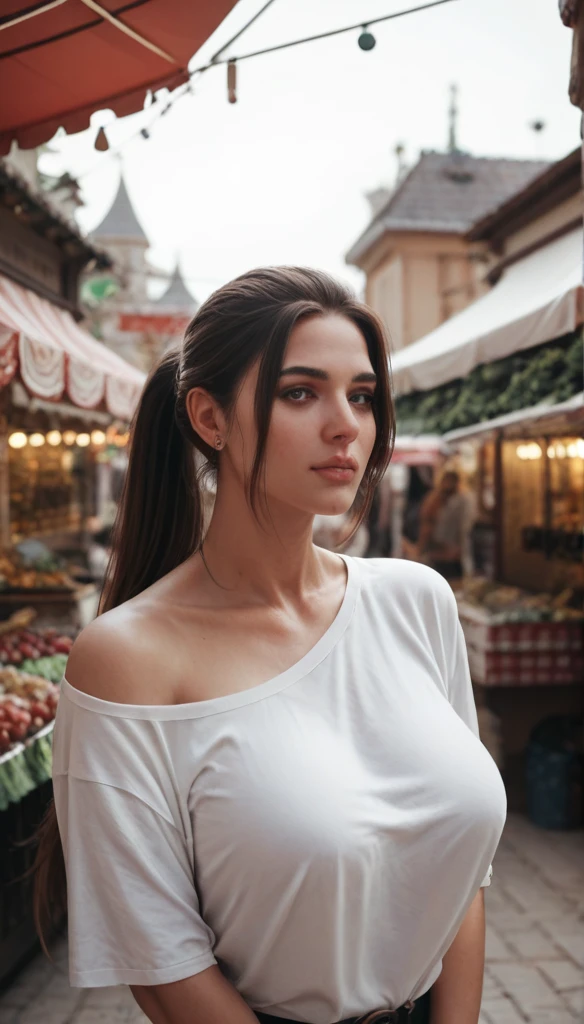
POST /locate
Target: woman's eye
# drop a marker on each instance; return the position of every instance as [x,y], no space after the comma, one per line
[296,394]
[363,398]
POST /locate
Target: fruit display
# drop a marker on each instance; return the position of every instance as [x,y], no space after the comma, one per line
[36,652]
[16,575]
[503,604]
[27,704]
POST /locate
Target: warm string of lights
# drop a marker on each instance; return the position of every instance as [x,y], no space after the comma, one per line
[532,450]
[366,42]
[70,438]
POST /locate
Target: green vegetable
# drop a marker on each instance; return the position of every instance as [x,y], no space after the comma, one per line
[51,667]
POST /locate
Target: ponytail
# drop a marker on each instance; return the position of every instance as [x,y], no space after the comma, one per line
[159,521]
[158,525]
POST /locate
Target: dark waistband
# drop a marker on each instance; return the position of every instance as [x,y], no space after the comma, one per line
[407,1014]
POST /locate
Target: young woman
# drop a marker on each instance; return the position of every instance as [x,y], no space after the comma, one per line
[270,792]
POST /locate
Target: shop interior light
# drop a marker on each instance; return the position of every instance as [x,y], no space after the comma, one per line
[36,440]
[18,439]
[69,437]
[54,437]
[580,447]
[529,451]
[97,437]
[560,451]
[551,452]
[83,440]
[572,451]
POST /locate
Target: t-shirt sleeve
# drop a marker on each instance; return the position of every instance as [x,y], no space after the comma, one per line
[460,691]
[133,910]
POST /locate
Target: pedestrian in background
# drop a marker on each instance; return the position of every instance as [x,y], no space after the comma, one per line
[447,516]
[271,795]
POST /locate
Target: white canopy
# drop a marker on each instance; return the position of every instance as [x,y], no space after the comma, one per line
[539,298]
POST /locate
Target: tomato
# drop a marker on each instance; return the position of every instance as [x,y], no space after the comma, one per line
[5,741]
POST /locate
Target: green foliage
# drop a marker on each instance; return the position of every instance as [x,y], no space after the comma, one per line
[553,372]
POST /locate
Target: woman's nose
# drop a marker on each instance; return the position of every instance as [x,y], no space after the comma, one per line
[342,422]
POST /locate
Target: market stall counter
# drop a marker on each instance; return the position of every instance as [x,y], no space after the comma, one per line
[32,663]
[526,656]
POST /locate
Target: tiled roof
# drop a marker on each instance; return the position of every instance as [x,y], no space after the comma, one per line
[177,295]
[447,192]
[120,221]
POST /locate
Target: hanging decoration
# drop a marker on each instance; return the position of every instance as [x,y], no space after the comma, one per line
[85,384]
[42,368]
[8,355]
[101,142]
[366,40]
[232,81]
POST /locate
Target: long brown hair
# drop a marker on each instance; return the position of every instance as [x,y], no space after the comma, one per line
[159,522]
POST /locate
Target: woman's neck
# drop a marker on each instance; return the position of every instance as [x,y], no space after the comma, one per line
[268,558]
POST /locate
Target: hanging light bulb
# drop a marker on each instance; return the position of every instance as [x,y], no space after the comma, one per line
[366,40]
[18,439]
[232,81]
[101,142]
[36,440]
[69,437]
[83,440]
[97,438]
[54,437]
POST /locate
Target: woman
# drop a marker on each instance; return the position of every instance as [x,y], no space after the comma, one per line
[270,792]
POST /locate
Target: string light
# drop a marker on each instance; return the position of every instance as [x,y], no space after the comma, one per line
[216,60]
[18,440]
[54,438]
[366,40]
[83,440]
[97,437]
[529,451]
[69,437]
[36,440]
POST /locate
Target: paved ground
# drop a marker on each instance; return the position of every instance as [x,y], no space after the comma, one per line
[535,946]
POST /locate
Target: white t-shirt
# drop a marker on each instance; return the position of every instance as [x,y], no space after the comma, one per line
[319,836]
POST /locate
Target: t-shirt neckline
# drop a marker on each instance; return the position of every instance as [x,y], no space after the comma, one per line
[215,705]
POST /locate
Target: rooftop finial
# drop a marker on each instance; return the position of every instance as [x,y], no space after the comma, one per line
[452,120]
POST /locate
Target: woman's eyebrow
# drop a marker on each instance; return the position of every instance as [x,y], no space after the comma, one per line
[312,371]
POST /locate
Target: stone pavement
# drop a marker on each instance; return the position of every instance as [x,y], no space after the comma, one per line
[535,946]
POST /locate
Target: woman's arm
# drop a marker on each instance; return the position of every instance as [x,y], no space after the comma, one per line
[204,998]
[456,994]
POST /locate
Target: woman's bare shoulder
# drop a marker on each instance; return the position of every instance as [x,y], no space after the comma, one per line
[124,656]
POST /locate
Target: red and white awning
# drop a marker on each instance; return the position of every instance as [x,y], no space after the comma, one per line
[55,356]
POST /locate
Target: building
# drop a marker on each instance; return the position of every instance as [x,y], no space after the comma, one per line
[420,268]
[122,313]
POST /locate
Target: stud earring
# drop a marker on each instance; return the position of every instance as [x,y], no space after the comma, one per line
[218,442]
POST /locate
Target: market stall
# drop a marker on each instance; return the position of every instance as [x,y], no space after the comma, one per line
[524,620]
[65,404]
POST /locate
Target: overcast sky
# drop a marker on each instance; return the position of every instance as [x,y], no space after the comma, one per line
[280,176]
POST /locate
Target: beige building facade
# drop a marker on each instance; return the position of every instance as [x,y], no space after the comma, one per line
[420,268]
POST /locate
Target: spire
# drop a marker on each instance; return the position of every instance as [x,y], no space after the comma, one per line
[177,295]
[120,221]
[453,120]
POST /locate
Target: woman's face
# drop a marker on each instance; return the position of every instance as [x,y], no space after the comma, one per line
[322,428]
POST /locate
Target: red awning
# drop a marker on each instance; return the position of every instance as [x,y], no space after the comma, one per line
[55,356]
[61,61]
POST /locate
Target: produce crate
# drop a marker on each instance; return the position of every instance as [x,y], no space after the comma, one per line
[485,633]
[525,668]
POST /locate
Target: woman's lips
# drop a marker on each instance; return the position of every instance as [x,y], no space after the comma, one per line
[336,474]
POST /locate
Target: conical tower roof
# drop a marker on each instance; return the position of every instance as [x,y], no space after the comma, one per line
[177,295]
[120,221]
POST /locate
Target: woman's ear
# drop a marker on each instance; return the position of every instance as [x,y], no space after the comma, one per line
[206,416]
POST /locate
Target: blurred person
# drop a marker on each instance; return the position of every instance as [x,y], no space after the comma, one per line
[447,516]
[270,791]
